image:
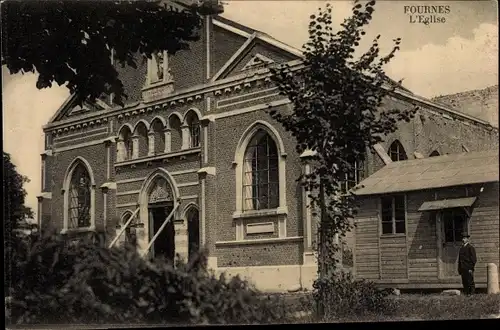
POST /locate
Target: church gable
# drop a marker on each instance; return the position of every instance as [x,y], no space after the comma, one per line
[257,50]
[70,109]
[226,44]
[255,55]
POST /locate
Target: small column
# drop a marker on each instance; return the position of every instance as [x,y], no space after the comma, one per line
[185,137]
[168,140]
[135,147]
[205,127]
[151,143]
[120,150]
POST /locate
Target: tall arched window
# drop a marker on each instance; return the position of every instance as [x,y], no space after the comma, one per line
[79,198]
[397,152]
[434,153]
[261,173]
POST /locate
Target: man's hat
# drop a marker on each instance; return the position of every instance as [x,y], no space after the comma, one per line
[465,234]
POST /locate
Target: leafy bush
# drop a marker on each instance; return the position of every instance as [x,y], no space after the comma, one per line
[87,283]
[343,296]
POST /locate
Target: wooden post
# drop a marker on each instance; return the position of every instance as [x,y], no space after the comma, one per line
[492,279]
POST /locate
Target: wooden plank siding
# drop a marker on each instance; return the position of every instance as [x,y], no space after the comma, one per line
[393,257]
[366,251]
[485,229]
[412,260]
[422,238]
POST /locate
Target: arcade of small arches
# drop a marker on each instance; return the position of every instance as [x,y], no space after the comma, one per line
[159,136]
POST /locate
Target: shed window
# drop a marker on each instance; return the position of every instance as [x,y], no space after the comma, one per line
[393,215]
[454,223]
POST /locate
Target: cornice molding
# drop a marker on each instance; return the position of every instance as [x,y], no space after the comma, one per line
[233,84]
[180,98]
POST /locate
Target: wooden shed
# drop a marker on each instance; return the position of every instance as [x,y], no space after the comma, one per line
[411,216]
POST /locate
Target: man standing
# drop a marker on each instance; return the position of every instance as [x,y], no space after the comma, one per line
[466,263]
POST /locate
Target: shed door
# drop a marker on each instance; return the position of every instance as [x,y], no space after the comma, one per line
[453,223]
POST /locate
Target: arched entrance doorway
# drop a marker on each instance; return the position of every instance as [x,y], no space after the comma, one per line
[193,227]
[160,205]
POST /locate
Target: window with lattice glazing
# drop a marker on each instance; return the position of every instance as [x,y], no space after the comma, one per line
[397,152]
[79,208]
[353,177]
[260,173]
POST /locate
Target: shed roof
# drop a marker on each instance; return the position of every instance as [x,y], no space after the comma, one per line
[433,172]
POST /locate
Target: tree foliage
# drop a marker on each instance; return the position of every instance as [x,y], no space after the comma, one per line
[70,42]
[15,215]
[337,113]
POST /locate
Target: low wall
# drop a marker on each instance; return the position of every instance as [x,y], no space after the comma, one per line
[275,278]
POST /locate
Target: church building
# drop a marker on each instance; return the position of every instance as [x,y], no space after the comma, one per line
[194,160]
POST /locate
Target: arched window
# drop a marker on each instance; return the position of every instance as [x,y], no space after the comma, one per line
[158,129]
[79,214]
[261,173]
[125,146]
[175,124]
[397,152]
[434,153]
[141,133]
[130,235]
[194,129]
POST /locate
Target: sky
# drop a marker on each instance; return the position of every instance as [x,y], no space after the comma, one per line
[435,59]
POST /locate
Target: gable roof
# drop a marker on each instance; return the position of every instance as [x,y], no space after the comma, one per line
[433,172]
[69,104]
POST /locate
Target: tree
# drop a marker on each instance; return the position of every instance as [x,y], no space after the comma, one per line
[70,42]
[337,114]
[15,215]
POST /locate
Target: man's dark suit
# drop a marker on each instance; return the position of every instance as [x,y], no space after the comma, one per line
[466,263]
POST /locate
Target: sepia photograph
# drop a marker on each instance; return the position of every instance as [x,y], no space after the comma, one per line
[206,162]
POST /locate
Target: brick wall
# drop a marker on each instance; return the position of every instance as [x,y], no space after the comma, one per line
[96,156]
[224,45]
[430,131]
[289,253]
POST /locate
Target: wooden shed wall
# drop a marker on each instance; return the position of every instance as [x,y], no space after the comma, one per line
[422,238]
[366,241]
[485,228]
[413,257]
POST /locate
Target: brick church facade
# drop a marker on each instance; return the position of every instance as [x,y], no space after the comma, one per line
[194,144]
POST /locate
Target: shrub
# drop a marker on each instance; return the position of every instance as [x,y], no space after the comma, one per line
[343,296]
[87,283]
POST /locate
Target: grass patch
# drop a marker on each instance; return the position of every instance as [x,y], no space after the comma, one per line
[410,307]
